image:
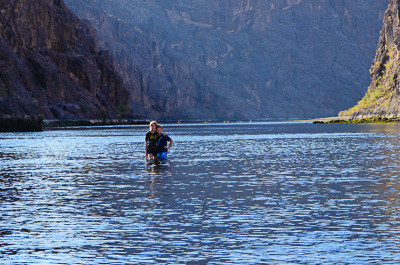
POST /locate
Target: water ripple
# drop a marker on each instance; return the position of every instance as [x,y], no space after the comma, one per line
[261,193]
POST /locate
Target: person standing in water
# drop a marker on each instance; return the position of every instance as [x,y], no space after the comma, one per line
[162,141]
[150,146]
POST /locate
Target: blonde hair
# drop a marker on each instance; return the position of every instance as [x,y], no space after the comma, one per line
[153,122]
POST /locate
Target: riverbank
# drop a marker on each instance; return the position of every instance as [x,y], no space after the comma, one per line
[37,124]
[347,120]
[20,124]
[94,122]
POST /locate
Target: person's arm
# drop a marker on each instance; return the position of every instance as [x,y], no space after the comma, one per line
[145,145]
[145,149]
[170,144]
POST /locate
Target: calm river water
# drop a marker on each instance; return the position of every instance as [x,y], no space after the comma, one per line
[248,193]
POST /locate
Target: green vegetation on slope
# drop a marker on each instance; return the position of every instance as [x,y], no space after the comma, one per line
[381,89]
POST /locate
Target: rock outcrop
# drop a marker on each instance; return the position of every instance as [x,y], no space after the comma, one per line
[383,96]
[50,67]
[238,58]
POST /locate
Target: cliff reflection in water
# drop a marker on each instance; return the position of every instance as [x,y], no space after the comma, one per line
[250,193]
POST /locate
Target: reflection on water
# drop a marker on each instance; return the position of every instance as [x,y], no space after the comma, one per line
[157,167]
[271,193]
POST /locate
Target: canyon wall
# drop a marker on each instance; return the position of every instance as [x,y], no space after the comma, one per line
[238,58]
[383,96]
[51,67]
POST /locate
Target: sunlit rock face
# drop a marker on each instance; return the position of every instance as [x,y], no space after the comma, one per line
[50,65]
[238,59]
[383,96]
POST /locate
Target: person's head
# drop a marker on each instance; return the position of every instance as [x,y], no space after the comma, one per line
[159,129]
[153,126]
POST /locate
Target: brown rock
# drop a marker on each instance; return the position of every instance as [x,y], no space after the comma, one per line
[50,66]
[383,96]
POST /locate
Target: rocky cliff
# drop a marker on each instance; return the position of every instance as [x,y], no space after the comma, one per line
[383,95]
[50,66]
[239,58]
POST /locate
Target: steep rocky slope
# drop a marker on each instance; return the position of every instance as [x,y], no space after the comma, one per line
[50,66]
[238,58]
[383,95]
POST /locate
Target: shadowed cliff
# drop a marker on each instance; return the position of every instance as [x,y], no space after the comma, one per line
[50,66]
[239,58]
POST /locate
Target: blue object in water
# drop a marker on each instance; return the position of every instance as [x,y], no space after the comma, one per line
[162,156]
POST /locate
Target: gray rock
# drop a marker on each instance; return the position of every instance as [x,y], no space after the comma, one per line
[239,59]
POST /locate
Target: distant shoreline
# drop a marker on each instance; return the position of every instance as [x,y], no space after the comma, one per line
[348,120]
[54,124]
[325,119]
[20,125]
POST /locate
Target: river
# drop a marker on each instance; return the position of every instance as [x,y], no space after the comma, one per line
[230,193]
